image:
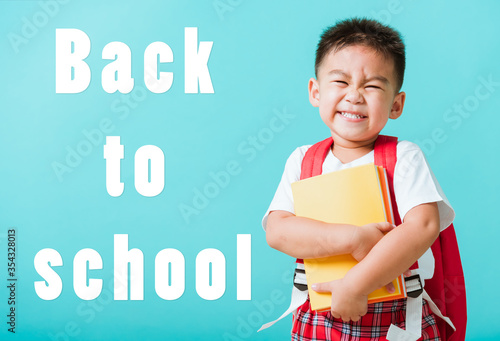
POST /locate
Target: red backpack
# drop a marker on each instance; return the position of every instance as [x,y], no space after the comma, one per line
[447,286]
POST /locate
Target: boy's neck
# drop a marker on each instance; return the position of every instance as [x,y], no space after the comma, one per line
[347,151]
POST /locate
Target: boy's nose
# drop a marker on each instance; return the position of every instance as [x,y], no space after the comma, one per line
[353,96]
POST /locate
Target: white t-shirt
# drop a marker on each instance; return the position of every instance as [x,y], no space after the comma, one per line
[414,184]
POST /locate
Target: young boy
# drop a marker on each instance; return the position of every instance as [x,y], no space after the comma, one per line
[359,73]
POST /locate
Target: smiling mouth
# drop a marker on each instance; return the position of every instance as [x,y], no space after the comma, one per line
[351,115]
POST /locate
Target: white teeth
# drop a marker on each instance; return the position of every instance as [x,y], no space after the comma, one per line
[349,115]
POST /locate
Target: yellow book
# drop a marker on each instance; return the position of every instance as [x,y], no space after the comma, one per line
[356,196]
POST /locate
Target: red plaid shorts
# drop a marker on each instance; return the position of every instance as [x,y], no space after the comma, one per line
[310,325]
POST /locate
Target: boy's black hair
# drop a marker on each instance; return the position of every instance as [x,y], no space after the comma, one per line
[367,32]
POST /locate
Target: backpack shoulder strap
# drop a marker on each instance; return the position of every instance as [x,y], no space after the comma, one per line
[385,155]
[312,163]
[386,152]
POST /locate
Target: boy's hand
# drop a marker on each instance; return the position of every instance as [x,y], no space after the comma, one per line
[365,237]
[347,304]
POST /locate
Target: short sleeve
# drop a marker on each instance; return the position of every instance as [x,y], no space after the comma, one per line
[415,184]
[283,198]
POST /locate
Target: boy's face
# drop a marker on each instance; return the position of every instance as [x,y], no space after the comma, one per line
[356,94]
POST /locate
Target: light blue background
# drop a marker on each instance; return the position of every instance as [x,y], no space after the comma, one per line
[262,58]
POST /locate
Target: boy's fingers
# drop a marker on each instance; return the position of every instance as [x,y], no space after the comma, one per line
[355,319]
[321,287]
[390,288]
[385,227]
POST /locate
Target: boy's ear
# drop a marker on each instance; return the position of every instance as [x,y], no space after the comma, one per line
[397,105]
[314,92]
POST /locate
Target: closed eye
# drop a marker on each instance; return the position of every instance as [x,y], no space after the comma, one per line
[340,82]
[373,86]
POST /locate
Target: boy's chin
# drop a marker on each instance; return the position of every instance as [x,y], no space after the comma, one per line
[354,137]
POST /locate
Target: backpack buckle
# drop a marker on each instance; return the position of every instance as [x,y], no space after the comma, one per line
[299,279]
[414,286]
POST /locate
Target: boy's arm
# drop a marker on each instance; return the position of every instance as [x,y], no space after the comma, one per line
[307,238]
[395,253]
